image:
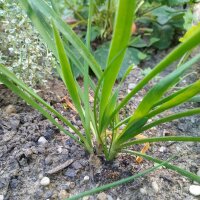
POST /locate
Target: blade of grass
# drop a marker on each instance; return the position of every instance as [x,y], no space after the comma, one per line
[184,96]
[69,80]
[183,172]
[86,76]
[169,118]
[162,139]
[120,40]
[160,89]
[117,183]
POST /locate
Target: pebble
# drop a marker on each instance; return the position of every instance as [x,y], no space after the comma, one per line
[131,86]
[143,191]
[48,160]
[63,194]
[195,190]
[48,194]
[10,109]
[14,183]
[42,140]
[1,197]
[76,165]
[86,178]
[155,186]
[45,181]
[86,198]
[102,196]
[163,149]
[70,173]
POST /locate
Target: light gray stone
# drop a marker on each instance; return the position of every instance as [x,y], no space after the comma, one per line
[42,140]
[45,181]
[155,186]
[195,190]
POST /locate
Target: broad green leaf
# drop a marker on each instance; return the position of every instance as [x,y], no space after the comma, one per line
[132,56]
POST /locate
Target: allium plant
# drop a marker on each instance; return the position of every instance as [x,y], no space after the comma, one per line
[101,120]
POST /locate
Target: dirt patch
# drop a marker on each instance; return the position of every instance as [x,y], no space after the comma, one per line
[30,147]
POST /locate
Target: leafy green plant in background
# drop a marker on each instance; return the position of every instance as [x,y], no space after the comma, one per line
[105,130]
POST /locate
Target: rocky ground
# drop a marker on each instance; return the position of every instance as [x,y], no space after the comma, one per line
[38,162]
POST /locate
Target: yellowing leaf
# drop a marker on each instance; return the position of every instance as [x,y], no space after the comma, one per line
[190,32]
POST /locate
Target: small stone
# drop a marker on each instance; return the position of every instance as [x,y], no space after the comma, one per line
[86,178]
[155,186]
[102,196]
[48,194]
[1,197]
[109,197]
[10,109]
[45,181]
[72,185]
[163,149]
[70,173]
[42,140]
[86,198]
[63,194]
[48,160]
[38,194]
[131,86]
[76,165]
[14,183]
[195,190]
[143,191]
[59,150]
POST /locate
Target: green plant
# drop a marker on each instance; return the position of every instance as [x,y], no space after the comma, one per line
[32,62]
[102,119]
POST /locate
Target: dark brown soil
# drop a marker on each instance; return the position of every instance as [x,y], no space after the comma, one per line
[24,161]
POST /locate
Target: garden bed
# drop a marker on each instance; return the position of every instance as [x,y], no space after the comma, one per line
[31,147]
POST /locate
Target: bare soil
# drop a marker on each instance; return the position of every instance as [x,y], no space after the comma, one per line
[24,161]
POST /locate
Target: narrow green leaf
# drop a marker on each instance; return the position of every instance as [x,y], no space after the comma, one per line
[183,172]
[162,139]
[169,118]
[160,88]
[181,98]
[117,183]
[179,51]
[69,80]
[120,40]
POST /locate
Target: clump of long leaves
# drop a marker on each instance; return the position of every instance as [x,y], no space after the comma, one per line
[102,117]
